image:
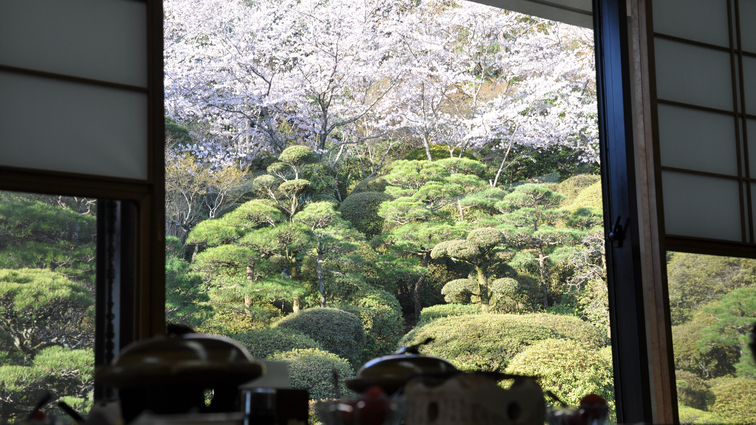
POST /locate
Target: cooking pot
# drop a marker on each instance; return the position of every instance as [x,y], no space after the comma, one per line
[392,372]
[170,374]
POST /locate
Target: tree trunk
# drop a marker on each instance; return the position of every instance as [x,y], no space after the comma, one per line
[482,288]
[321,275]
[418,286]
[542,269]
[295,304]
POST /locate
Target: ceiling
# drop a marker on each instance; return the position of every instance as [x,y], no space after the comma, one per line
[574,12]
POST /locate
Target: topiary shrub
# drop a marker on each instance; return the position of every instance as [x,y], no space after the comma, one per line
[735,399]
[373,184]
[566,368]
[690,415]
[692,390]
[338,331]
[571,187]
[573,328]
[489,341]
[361,209]
[313,370]
[382,319]
[479,342]
[264,343]
[445,310]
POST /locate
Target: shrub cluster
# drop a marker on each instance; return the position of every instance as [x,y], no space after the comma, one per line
[313,370]
[337,331]
[490,341]
[479,342]
[445,310]
[361,209]
[264,343]
[734,400]
[382,320]
[567,368]
[692,390]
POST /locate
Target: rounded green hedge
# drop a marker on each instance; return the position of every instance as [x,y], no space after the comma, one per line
[264,343]
[361,209]
[445,310]
[490,341]
[338,331]
[567,368]
[313,370]
[382,319]
[479,342]
[372,184]
[734,399]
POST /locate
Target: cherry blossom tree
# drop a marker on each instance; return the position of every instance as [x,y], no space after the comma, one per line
[270,74]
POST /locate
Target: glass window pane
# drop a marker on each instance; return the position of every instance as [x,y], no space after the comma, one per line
[701,206]
[47,293]
[693,74]
[711,302]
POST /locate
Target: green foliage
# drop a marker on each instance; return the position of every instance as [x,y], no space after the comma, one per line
[57,370]
[264,343]
[692,390]
[372,184]
[39,307]
[48,232]
[239,305]
[299,155]
[382,320]
[715,361]
[313,370]
[567,368]
[691,415]
[361,209]
[734,400]
[445,310]
[185,296]
[695,280]
[224,261]
[735,315]
[460,291]
[338,331]
[485,342]
[438,152]
[213,233]
[574,185]
[590,197]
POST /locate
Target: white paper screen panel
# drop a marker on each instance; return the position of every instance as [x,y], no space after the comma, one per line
[693,74]
[749,86]
[698,20]
[69,127]
[699,206]
[96,39]
[697,140]
[747,28]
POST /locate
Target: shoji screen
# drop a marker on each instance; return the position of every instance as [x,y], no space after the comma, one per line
[74,86]
[705,71]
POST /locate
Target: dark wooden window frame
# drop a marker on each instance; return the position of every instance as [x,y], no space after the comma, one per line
[130,276]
